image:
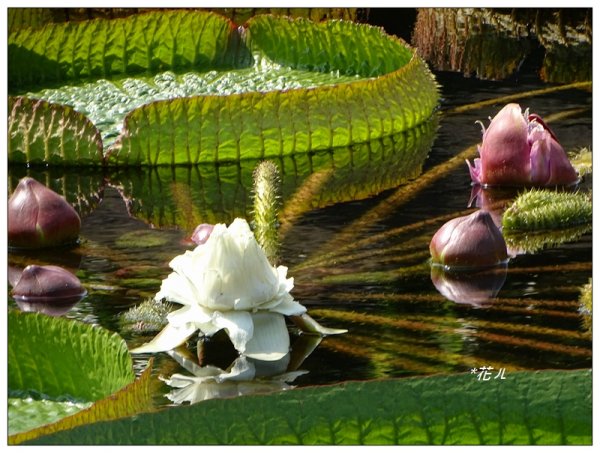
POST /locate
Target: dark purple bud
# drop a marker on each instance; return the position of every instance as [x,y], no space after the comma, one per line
[47,283]
[39,217]
[469,242]
[202,233]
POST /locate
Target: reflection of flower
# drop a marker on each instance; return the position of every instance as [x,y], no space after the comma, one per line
[241,378]
[477,288]
[520,150]
[228,283]
[39,217]
[470,241]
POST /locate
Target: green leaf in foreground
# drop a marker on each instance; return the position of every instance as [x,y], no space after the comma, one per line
[60,357]
[543,407]
[547,210]
[130,400]
[41,132]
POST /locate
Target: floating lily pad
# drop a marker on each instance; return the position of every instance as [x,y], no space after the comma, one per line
[142,239]
[42,132]
[271,88]
[27,413]
[62,360]
[548,407]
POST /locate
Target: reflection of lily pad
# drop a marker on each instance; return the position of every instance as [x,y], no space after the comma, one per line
[188,196]
[532,242]
[492,43]
[83,189]
[142,239]
[304,86]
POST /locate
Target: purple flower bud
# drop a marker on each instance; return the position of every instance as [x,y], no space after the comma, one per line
[202,233]
[521,150]
[39,217]
[47,283]
[469,242]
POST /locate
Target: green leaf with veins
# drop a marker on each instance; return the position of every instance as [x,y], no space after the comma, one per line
[60,357]
[42,132]
[542,407]
[276,87]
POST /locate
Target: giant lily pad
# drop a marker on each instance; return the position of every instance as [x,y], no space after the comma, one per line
[551,407]
[41,132]
[271,88]
[54,360]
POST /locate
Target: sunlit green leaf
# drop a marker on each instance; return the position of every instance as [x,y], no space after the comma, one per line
[28,17]
[44,133]
[547,407]
[278,123]
[394,90]
[60,357]
[28,413]
[61,52]
[130,400]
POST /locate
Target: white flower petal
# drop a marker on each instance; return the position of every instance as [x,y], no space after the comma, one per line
[225,280]
[177,288]
[190,314]
[271,340]
[308,324]
[169,338]
[239,327]
[288,306]
[288,283]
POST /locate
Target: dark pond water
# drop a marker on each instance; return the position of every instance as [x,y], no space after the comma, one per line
[360,265]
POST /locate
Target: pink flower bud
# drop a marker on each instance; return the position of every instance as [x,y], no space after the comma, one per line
[39,217]
[468,242]
[521,150]
[202,233]
[47,284]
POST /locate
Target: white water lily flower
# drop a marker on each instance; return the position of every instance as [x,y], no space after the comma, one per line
[228,283]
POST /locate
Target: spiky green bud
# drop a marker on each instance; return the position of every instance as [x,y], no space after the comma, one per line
[149,316]
[537,210]
[267,201]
